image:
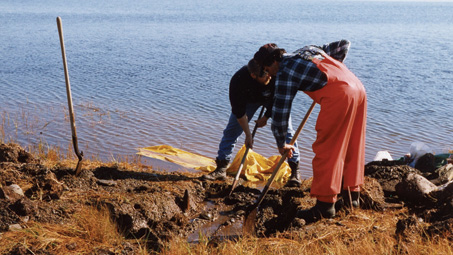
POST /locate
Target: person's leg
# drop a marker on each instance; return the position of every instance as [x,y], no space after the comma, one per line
[355,155]
[334,128]
[230,135]
[353,173]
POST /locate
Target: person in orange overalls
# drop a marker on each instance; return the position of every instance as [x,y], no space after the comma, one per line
[339,161]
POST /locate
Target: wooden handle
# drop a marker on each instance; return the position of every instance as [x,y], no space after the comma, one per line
[69,96]
[284,156]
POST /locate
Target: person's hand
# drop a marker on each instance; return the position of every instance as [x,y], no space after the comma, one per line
[287,148]
[261,122]
[249,141]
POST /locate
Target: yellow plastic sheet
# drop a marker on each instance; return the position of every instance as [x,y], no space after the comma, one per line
[177,156]
[257,167]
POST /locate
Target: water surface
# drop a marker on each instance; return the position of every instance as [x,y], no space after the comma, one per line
[146,73]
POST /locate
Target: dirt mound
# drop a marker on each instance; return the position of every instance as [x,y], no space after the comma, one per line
[14,153]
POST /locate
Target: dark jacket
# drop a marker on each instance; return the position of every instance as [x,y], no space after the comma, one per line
[244,89]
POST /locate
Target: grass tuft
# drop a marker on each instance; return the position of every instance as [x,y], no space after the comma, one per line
[90,229]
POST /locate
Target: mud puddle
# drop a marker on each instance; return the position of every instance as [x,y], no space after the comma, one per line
[224,225]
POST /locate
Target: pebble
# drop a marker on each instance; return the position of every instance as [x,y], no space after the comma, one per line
[16,189]
[14,227]
[106,182]
[206,216]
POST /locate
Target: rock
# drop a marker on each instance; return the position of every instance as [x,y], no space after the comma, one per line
[12,193]
[106,182]
[447,189]
[14,227]
[415,188]
[388,176]
[444,173]
[426,163]
[206,216]
[16,189]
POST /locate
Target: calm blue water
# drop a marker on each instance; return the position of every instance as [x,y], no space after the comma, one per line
[145,73]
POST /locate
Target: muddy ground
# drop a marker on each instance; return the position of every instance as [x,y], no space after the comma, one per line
[161,206]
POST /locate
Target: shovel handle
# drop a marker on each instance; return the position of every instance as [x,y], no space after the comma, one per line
[250,215]
[66,76]
[285,155]
[236,178]
[69,96]
[259,117]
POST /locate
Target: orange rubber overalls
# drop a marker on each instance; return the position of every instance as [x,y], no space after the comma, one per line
[341,126]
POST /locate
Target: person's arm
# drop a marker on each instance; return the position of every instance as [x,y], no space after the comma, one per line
[244,122]
[294,75]
[285,90]
[338,50]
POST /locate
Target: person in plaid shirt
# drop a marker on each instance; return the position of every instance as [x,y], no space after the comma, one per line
[318,71]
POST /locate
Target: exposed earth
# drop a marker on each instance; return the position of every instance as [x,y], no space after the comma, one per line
[160,205]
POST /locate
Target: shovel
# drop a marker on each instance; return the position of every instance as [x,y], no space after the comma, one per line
[71,109]
[250,216]
[236,178]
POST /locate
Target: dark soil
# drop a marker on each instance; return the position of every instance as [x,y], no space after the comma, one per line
[160,206]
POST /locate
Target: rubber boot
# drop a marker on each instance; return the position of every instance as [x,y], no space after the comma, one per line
[219,173]
[319,211]
[294,180]
[353,201]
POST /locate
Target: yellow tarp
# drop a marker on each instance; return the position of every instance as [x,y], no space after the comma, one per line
[258,167]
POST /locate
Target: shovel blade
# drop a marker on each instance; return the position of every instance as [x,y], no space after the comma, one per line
[235,182]
[236,179]
[78,168]
[248,226]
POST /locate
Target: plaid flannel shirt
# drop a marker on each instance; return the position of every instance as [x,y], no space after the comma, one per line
[298,72]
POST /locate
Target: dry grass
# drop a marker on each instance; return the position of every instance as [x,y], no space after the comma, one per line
[362,232]
[4,117]
[89,230]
